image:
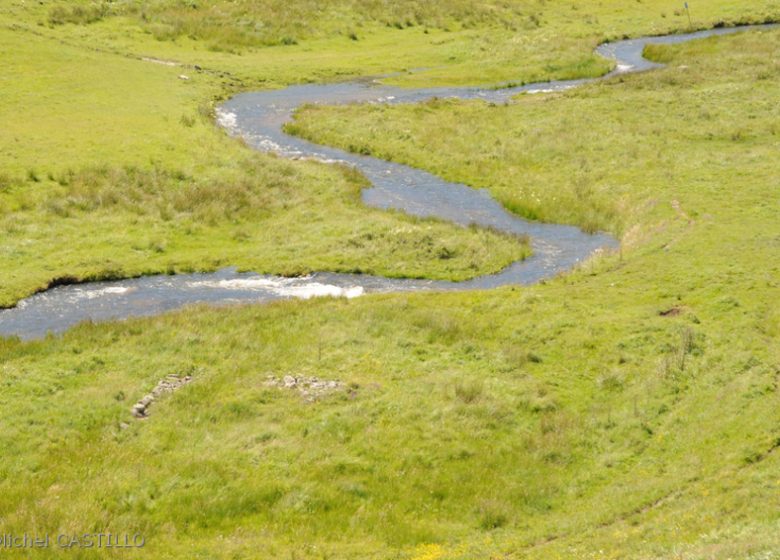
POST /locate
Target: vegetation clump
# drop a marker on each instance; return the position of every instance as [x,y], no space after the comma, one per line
[80,14]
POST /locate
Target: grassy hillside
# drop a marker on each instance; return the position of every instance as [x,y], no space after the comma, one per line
[629,410]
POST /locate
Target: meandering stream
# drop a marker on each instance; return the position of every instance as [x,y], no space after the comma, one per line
[258,118]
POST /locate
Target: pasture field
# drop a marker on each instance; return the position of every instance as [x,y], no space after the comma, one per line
[628,409]
[133,177]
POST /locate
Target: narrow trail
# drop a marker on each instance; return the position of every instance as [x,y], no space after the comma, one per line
[258,118]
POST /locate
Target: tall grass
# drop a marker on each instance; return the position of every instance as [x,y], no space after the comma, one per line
[275,22]
[171,194]
[79,14]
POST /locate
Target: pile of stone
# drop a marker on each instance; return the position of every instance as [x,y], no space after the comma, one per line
[169,384]
[310,388]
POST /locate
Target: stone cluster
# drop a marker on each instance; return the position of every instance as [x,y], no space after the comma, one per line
[310,388]
[169,384]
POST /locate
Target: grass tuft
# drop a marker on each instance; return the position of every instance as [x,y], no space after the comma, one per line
[469,391]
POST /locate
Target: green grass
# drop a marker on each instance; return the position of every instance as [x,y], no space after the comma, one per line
[626,410]
[602,156]
[457,42]
[133,178]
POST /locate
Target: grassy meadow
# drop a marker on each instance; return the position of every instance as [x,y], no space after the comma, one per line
[271,43]
[612,155]
[133,177]
[629,409]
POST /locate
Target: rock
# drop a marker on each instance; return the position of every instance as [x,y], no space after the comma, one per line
[310,388]
[169,384]
[183,77]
